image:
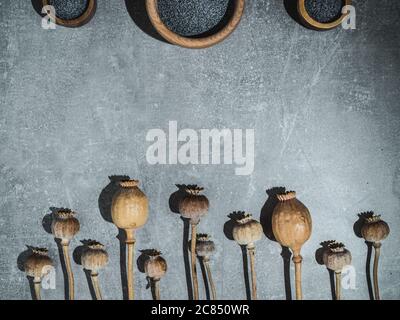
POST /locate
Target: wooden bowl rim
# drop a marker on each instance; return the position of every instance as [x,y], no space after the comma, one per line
[190,42]
[301,7]
[77,22]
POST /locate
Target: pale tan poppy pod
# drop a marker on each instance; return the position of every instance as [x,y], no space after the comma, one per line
[375,229]
[155,266]
[130,206]
[205,247]
[291,222]
[65,225]
[193,205]
[38,264]
[94,257]
[336,256]
[246,230]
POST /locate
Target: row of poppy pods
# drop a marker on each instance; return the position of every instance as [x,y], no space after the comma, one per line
[199,41]
[291,226]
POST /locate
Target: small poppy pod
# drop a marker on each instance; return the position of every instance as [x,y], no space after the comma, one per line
[130,206]
[64,225]
[194,205]
[375,229]
[38,263]
[291,221]
[155,266]
[336,256]
[94,257]
[204,246]
[246,230]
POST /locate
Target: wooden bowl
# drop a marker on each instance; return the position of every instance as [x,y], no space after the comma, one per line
[197,42]
[314,24]
[77,22]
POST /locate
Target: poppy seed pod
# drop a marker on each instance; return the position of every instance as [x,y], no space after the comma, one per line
[291,222]
[64,225]
[38,263]
[130,206]
[204,249]
[94,257]
[246,230]
[204,246]
[375,229]
[129,211]
[292,225]
[155,266]
[336,256]
[193,205]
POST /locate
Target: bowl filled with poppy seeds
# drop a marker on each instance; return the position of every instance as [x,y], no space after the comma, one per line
[322,14]
[71,13]
[195,23]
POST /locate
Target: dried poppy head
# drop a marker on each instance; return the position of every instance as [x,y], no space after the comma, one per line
[374,228]
[65,225]
[94,257]
[38,264]
[204,246]
[193,205]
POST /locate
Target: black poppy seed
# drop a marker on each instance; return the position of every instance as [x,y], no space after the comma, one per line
[69,9]
[324,11]
[192,17]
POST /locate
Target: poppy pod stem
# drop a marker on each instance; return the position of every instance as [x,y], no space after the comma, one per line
[130,243]
[338,290]
[252,253]
[377,247]
[70,275]
[36,285]
[94,276]
[193,262]
[155,284]
[297,259]
[206,262]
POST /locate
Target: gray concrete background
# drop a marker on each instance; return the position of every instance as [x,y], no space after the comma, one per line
[76,105]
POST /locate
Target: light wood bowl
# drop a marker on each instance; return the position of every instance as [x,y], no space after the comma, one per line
[310,22]
[77,22]
[194,42]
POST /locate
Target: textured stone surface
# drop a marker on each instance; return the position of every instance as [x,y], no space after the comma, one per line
[75,106]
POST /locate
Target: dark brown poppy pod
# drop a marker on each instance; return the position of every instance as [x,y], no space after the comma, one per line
[193,205]
[336,256]
[155,266]
[204,246]
[94,257]
[38,264]
[64,225]
[375,229]
[246,230]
